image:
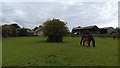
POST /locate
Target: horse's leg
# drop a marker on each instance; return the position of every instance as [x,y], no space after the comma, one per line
[81,41]
[89,42]
[84,42]
[93,42]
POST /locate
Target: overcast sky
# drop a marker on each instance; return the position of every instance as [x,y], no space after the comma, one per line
[32,14]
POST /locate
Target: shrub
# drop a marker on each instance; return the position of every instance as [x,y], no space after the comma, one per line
[54,30]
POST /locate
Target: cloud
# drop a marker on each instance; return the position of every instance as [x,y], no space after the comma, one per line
[31,14]
[64,1]
[113,23]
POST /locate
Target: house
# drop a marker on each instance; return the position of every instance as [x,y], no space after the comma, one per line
[38,31]
[93,29]
[76,30]
[102,31]
[107,30]
[79,30]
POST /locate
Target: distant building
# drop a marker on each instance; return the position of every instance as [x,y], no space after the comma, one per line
[79,30]
[94,30]
[76,30]
[38,31]
[107,30]
[102,31]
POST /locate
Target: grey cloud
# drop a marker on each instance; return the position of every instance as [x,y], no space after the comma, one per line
[63,1]
[31,14]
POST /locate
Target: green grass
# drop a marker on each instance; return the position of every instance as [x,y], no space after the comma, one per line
[34,51]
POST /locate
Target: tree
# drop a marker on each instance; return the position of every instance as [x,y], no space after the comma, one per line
[9,30]
[55,30]
[14,28]
[23,32]
[15,25]
[118,32]
[6,31]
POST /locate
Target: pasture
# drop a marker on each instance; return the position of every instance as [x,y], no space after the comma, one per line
[34,51]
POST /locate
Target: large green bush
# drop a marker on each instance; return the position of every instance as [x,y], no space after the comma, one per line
[55,30]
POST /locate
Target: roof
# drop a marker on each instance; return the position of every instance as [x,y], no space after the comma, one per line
[94,27]
[90,27]
[106,27]
[76,28]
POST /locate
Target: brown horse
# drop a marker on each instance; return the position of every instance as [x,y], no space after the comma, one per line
[87,38]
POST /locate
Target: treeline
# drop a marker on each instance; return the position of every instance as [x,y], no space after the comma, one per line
[14,30]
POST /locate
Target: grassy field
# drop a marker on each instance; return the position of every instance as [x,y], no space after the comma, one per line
[34,51]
